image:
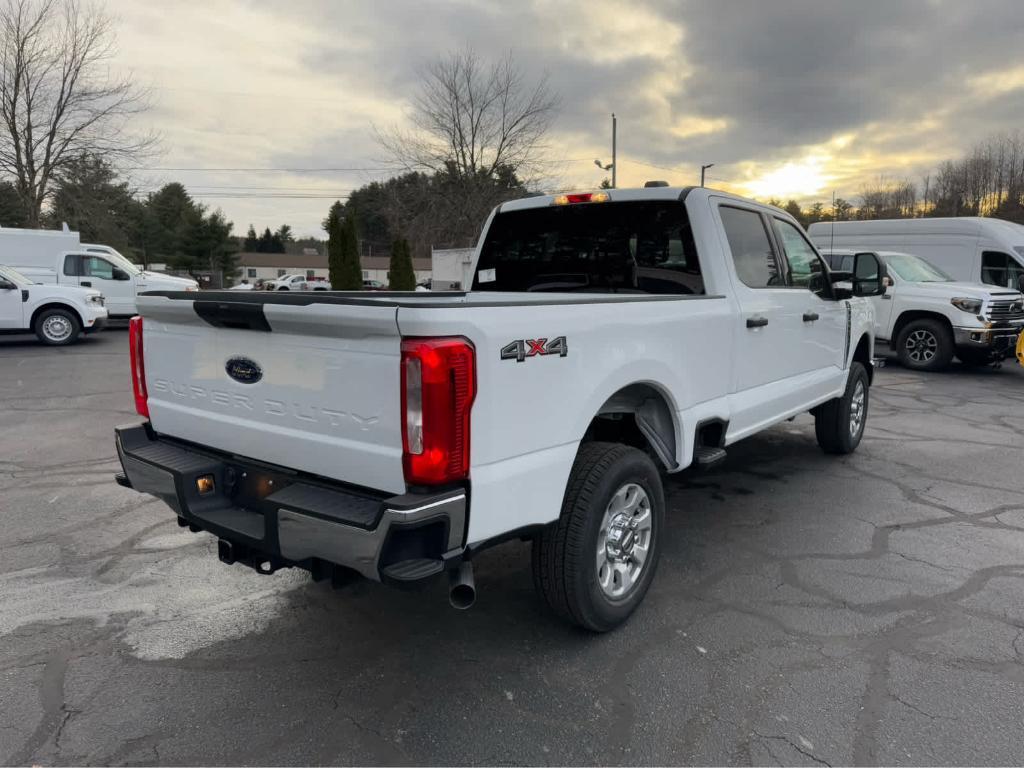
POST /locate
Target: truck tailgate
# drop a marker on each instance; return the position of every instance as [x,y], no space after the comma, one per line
[311,386]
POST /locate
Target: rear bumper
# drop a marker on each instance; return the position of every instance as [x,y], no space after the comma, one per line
[271,517]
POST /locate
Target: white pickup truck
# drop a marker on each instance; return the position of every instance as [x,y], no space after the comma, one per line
[926,317]
[57,314]
[608,336]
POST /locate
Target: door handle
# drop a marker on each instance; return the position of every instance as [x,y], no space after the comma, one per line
[757,322]
[887,297]
[86,283]
[810,317]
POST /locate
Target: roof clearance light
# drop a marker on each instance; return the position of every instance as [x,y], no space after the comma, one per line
[580,197]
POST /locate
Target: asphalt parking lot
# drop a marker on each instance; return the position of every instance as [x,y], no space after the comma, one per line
[808,610]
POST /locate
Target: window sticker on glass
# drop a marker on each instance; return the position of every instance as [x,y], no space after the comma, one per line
[488,275]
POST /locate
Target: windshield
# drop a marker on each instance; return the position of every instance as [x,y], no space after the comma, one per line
[914,269]
[627,247]
[119,261]
[6,273]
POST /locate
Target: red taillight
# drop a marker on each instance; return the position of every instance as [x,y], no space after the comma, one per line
[138,366]
[438,386]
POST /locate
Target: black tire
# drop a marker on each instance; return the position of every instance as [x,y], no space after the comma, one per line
[833,421]
[57,327]
[565,568]
[973,358]
[925,345]
[284,288]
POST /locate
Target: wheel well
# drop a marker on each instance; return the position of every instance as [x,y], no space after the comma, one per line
[637,415]
[862,355]
[911,315]
[54,305]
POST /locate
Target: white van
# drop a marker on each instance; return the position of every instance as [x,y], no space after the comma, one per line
[58,257]
[970,248]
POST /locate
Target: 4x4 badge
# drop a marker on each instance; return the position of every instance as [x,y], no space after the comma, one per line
[520,349]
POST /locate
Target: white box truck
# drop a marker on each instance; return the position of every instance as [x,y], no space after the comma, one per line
[971,249]
[58,257]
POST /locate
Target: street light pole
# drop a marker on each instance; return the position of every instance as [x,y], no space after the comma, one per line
[702,169]
[615,162]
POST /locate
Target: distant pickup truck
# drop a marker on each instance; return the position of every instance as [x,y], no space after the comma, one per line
[926,317]
[609,336]
[57,314]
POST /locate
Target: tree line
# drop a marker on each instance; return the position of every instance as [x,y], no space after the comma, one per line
[987,181]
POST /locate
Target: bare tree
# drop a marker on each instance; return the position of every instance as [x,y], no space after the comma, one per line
[474,119]
[59,100]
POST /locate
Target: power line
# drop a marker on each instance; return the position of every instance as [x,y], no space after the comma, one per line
[261,170]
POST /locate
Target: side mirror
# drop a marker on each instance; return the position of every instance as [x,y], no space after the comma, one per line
[7,285]
[120,274]
[869,275]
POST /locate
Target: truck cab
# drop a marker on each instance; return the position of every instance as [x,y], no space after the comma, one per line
[926,317]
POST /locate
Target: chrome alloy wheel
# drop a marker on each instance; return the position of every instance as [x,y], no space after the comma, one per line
[56,328]
[624,541]
[857,409]
[922,346]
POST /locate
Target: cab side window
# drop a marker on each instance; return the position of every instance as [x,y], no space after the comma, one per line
[806,269]
[94,266]
[72,265]
[1000,269]
[752,253]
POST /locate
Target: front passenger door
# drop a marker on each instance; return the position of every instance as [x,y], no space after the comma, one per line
[823,341]
[115,284]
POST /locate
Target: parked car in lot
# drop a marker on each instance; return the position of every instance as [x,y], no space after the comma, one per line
[927,317]
[297,283]
[610,336]
[57,314]
[374,285]
[970,249]
[56,257]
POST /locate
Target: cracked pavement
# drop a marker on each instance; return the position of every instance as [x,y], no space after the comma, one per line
[808,610]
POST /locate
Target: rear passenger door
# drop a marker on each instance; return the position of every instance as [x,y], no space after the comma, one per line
[768,334]
[823,320]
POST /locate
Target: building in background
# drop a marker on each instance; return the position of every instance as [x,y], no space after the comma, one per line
[451,269]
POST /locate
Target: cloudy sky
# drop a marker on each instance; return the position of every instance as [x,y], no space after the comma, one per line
[788,99]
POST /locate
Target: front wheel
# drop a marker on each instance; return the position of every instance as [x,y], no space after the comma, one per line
[594,565]
[925,345]
[839,423]
[57,327]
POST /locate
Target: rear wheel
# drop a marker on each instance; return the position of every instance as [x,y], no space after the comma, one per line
[839,423]
[593,566]
[925,345]
[57,327]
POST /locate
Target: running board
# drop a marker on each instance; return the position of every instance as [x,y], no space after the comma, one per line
[706,456]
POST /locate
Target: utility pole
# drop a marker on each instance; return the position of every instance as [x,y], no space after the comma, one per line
[702,169]
[615,164]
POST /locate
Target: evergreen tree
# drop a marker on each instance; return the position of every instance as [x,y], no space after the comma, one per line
[401,276]
[335,256]
[251,241]
[266,242]
[12,210]
[351,277]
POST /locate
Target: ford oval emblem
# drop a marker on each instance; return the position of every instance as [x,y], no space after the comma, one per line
[243,370]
